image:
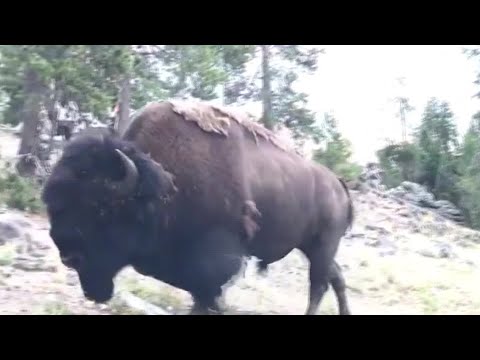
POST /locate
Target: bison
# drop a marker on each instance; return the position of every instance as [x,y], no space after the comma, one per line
[185,195]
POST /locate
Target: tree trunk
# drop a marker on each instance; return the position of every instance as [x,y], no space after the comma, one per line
[266,89]
[53,117]
[403,122]
[124,107]
[34,91]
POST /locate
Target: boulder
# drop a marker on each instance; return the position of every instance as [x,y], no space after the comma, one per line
[12,227]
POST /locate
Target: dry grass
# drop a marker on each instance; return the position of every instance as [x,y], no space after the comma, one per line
[157,295]
[418,284]
[119,308]
[150,290]
[7,254]
[55,308]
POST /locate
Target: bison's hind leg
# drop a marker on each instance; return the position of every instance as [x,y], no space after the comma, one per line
[262,268]
[338,284]
[214,260]
[323,271]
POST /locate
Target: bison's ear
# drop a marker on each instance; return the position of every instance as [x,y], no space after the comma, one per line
[167,181]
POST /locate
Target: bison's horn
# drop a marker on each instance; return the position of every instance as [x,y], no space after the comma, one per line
[125,186]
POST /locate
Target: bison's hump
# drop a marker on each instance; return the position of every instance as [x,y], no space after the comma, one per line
[215,118]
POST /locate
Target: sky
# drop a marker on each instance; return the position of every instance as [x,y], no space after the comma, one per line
[358,83]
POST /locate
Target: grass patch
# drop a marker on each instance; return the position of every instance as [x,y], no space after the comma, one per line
[429,303]
[154,294]
[7,255]
[119,308]
[416,284]
[56,308]
[20,193]
[328,305]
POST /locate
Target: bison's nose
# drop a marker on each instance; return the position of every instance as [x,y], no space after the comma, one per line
[73,261]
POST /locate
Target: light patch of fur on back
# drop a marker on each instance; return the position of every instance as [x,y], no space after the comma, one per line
[214,118]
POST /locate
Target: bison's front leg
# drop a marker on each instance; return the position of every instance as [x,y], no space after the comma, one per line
[213,261]
[205,306]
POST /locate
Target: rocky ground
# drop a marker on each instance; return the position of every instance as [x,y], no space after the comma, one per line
[397,259]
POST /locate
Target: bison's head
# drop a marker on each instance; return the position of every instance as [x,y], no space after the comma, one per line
[105,200]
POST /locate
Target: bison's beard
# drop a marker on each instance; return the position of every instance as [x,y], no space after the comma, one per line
[96,286]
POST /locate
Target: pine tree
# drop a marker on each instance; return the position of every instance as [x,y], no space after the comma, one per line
[337,151]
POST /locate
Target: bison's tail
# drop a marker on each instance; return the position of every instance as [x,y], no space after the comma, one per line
[350,215]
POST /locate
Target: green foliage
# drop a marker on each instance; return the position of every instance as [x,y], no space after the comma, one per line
[449,170]
[146,85]
[437,143]
[337,152]
[431,159]
[201,71]
[289,106]
[91,75]
[19,193]
[3,105]
[398,162]
[192,70]
[164,71]
[86,74]
[469,167]
[290,109]
[227,64]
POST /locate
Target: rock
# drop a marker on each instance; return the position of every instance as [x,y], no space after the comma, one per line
[418,195]
[440,229]
[422,211]
[373,242]
[379,229]
[6,272]
[463,243]
[439,219]
[37,254]
[475,237]
[21,248]
[140,305]
[9,232]
[440,251]
[17,219]
[353,235]
[445,250]
[388,252]
[12,227]
[444,203]
[427,253]
[372,176]
[405,213]
[414,226]
[411,187]
[386,246]
[72,279]
[27,264]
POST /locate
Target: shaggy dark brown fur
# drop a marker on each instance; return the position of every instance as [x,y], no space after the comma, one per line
[213,169]
[217,119]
